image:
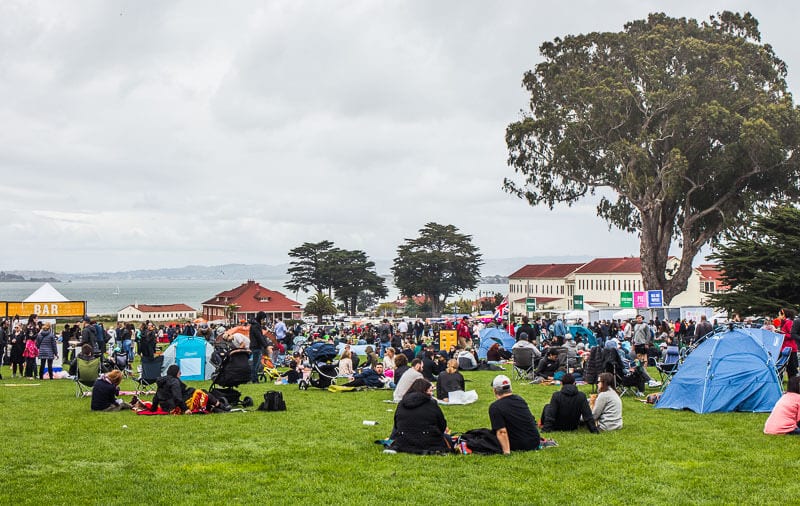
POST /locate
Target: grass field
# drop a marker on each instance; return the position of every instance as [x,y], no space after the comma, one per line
[319,452]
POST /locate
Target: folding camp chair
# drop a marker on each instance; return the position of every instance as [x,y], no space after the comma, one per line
[523,363]
[626,381]
[669,366]
[782,362]
[87,372]
[149,374]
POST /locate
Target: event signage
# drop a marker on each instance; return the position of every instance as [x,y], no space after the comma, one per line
[71,309]
[639,299]
[447,338]
[577,302]
[530,304]
[655,298]
[625,299]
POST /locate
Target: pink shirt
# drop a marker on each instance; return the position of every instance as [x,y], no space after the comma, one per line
[785,415]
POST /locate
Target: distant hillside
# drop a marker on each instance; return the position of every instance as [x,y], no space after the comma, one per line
[36,276]
[493,268]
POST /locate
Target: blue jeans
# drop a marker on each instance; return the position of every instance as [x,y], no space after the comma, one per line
[385,346]
[255,367]
[127,347]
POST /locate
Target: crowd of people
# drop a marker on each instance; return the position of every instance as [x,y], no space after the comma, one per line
[406,358]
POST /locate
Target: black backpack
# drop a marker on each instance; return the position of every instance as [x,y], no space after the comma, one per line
[482,441]
[273,401]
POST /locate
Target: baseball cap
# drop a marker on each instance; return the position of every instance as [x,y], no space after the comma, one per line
[501,381]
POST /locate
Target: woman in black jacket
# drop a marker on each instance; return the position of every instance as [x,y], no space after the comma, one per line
[419,424]
[449,381]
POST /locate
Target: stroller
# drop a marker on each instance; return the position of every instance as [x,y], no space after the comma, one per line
[233,370]
[323,369]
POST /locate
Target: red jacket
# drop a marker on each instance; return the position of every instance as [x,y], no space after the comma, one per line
[786,329]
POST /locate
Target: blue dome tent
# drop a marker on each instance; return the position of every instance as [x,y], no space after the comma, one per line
[492,335]
[730,371]
[193,356]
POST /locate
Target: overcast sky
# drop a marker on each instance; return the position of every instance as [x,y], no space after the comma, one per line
[145,134]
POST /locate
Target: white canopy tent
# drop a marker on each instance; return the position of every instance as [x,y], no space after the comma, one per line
[625,314]
[46,293]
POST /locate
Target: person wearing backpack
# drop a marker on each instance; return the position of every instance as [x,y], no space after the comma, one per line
[511,419]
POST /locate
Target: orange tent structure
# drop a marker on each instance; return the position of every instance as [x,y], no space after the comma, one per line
[245,330]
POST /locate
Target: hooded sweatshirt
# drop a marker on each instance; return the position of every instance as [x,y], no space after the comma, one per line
[419,425]
[565,410]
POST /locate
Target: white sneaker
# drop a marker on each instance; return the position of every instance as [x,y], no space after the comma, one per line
[654,383]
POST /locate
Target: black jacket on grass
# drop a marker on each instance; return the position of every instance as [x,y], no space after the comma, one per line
[565,410]
[419,425]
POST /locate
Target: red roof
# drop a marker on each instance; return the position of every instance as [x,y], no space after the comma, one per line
[539,300]
[251,297]
[546,271]
[625,265]
[162,308]
[709,272]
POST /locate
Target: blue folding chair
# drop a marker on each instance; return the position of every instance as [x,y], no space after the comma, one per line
[783,360]
[669,366]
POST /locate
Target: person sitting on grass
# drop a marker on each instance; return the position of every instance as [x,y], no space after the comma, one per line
[407,379]
[785,416]
[511,419]
[346,364]
[566,408]
[419,424]
[172,395]
[449,380]
[607,406]
[105,391]
[401,366]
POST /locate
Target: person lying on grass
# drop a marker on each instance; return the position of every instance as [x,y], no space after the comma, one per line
[370,377]
[785,416]
[105,391]
[172,395]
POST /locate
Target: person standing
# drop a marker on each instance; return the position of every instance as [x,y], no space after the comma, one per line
[511,419]
[385,336]
[559,331]
[48,349]
[258,343]
[786,317]
[280,333]
[88,333]
[641,336]
[463,333]
[3,341]
[702,328]
[17,350]
[147,345]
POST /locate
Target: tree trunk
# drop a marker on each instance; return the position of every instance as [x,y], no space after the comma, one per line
[654,253]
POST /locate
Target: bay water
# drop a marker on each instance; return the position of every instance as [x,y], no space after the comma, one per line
[108,296]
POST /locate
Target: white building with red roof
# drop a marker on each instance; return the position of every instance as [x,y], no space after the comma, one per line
[156,312]
[549,284]
[248,299]
[600,282]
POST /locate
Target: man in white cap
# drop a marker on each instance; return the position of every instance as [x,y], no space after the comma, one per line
[511,419]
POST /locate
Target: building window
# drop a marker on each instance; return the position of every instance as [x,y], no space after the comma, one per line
[708,286]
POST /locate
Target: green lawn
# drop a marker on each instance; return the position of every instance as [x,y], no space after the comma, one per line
[319,452]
